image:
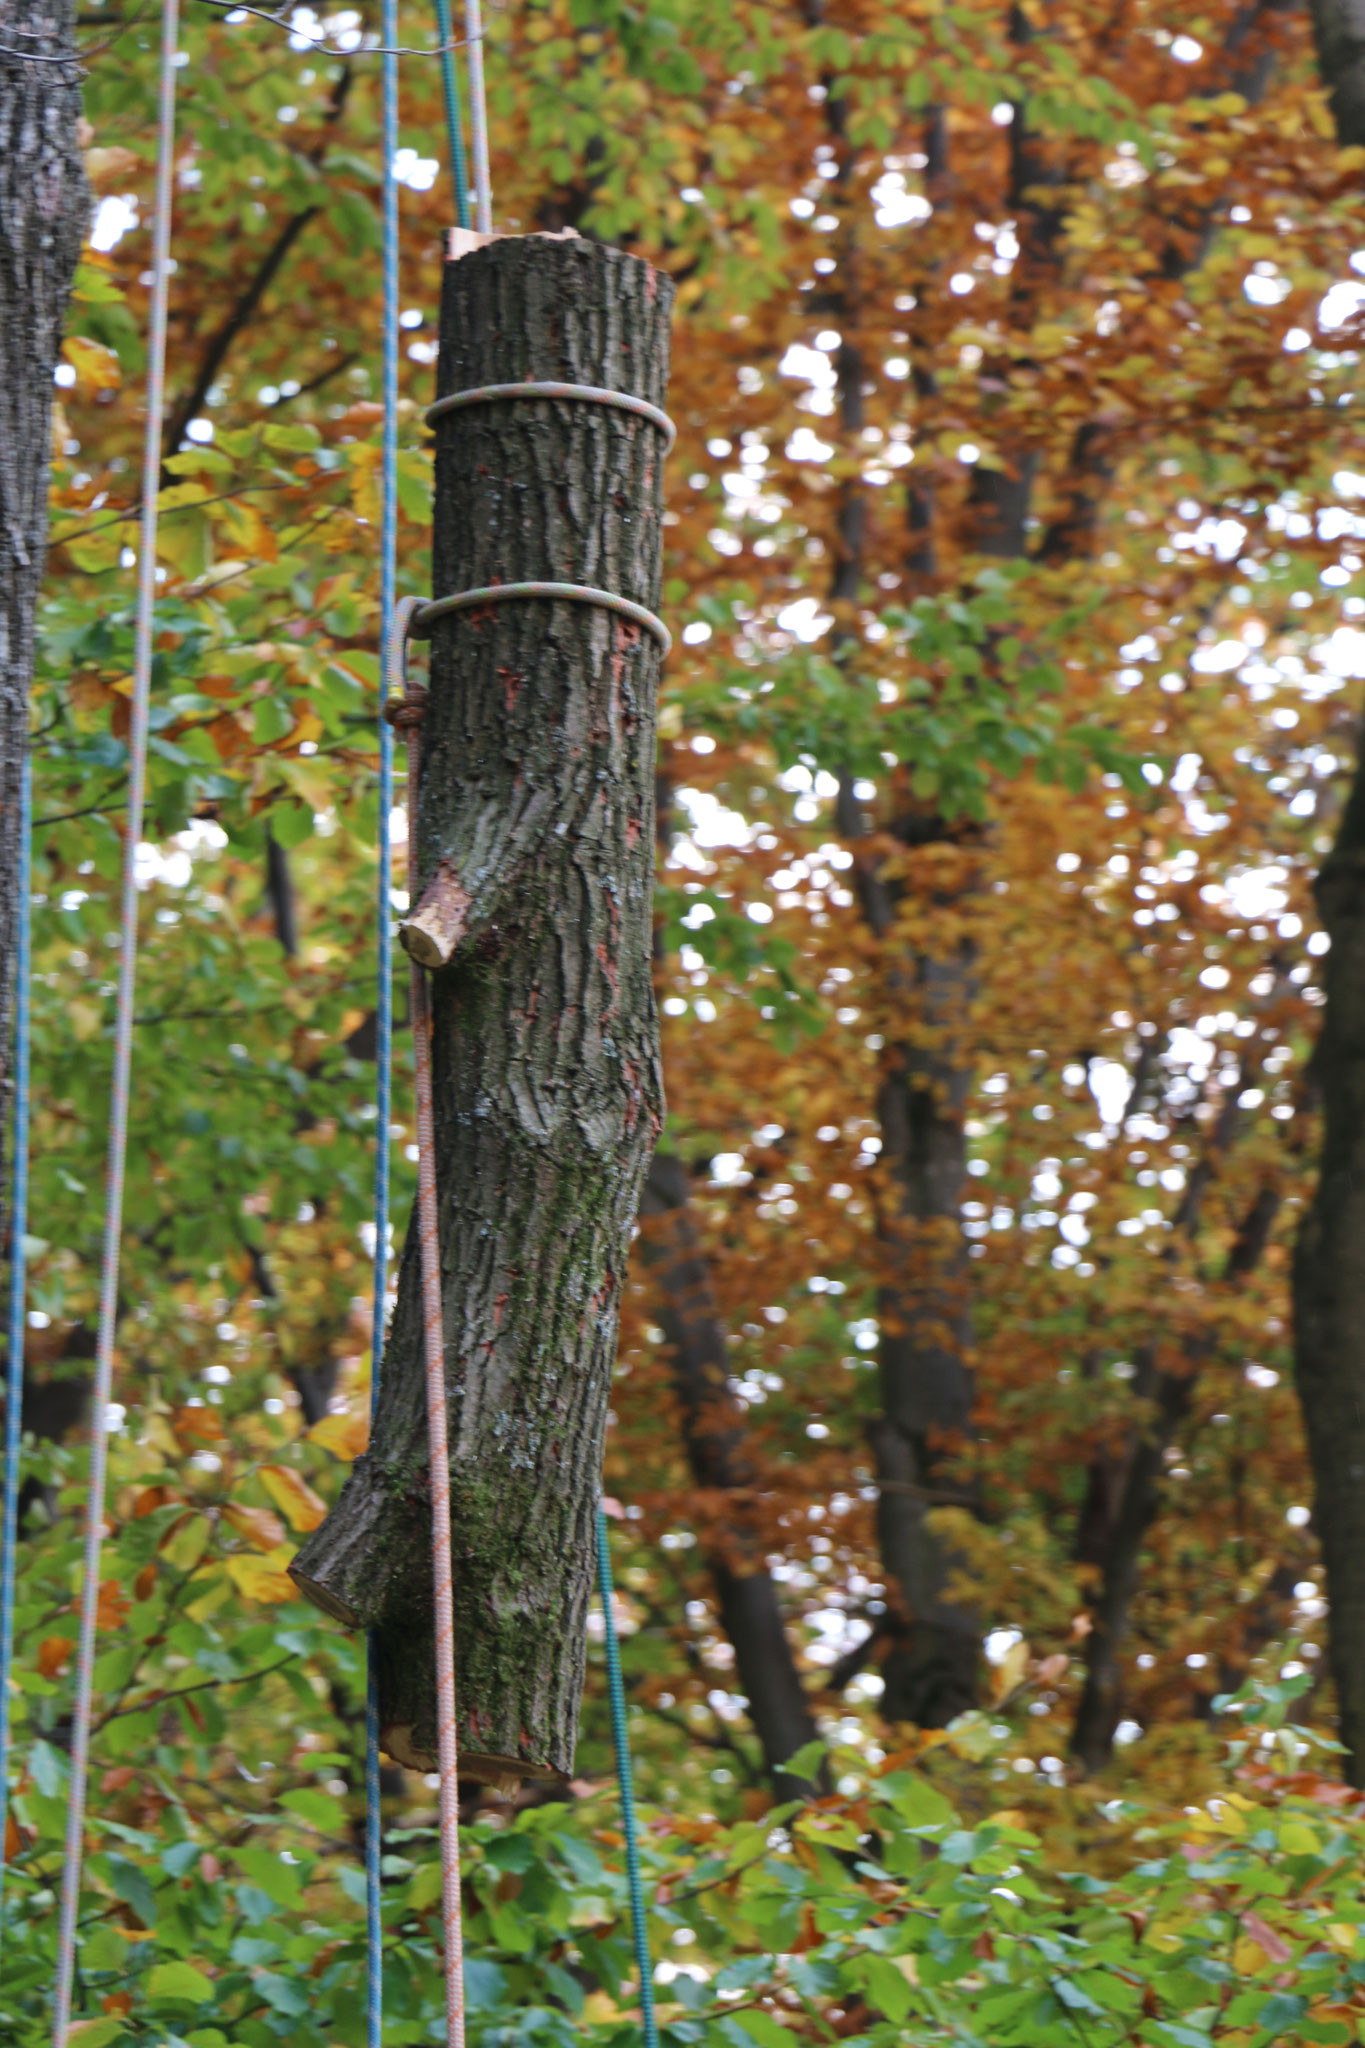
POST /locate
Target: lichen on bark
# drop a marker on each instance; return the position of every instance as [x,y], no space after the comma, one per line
[537,798]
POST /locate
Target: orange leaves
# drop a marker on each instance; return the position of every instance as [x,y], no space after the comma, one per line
[54,1655]
[293,1496]
[113,1605]
[260,1528]
[195,1426]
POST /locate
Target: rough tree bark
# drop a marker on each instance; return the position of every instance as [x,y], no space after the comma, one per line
[538,799]
[1329,1258]
[713,1435]
[1329,1278]
[44,207]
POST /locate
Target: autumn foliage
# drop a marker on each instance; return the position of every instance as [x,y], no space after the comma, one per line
[1011,565]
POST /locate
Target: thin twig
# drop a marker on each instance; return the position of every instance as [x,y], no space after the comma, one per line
[320,42]
[203,1685]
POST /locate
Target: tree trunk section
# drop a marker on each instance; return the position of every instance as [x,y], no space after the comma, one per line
[932,1669]
[44,207]
[538,796]
[713,1434]
[1329,1278]
[1329,1257]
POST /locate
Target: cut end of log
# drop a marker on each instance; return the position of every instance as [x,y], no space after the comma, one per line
[434,929]
[502,1774]
[464,241]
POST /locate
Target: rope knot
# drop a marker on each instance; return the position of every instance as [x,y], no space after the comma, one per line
[406,713]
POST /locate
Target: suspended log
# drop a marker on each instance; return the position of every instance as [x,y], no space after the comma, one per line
[535,835]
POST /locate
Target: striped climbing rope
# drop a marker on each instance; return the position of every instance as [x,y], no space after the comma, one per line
[374,1944]
[405,711]
[123,1036]
[388,530]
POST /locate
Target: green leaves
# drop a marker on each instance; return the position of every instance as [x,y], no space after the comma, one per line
[178,1984]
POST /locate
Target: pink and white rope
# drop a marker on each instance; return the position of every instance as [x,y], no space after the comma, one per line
[123,1041]
[407,716]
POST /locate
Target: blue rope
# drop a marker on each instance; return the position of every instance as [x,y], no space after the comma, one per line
[625,1779]
[374,1939]
[458,176]
[18,1223]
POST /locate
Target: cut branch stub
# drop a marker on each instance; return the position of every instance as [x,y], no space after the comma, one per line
[536,839]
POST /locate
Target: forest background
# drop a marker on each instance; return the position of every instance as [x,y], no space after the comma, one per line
[1011,562]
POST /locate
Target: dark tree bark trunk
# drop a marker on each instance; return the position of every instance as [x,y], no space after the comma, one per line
[44,206]
[1329,1258]
[932,1669]
[538,798]
[713,1434]
[1125,1493]
[1329,1278]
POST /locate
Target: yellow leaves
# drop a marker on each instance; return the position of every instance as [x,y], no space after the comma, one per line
[1320,119]
[96,367]
[345,1436]
[257,1525]
[264,1578]
[1222,1818]
[363,459]
[249,531]
[1296,1838]
[85,1020]
[307,727]
[293,1496]
[1010,1672]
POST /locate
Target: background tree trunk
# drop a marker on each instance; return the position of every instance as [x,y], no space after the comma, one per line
[714,1436]
[44,207]
[538,795]
[1329,1278]
[1329,1258]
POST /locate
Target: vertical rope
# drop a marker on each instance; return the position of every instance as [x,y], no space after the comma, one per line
[441,1563]
[625,1778]
[123,1035]
[388,548]
[478,120]
[454,127]
[408,714]
[18,1226]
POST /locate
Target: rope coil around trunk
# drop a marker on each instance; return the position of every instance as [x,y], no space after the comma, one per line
[428,612]
[123,1039]
[590,394]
